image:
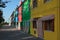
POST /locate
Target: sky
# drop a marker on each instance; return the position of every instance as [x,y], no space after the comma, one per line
[9,9]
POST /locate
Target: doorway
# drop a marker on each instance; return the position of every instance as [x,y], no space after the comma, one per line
[40,28]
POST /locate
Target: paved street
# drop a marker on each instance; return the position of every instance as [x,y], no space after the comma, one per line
[16,35]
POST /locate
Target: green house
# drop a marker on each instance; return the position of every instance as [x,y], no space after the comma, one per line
[25,24]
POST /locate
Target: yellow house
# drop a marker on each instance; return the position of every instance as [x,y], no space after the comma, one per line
[45,19]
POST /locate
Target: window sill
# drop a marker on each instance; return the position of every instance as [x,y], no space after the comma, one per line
[49,31]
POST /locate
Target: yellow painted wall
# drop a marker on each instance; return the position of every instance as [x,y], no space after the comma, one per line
[45,9]
[31,28]
[52,35]
[59,21]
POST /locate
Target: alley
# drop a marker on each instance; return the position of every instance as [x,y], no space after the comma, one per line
[29,20]
[16,35]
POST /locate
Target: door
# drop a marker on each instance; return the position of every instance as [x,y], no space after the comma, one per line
[40,28]
[27,26]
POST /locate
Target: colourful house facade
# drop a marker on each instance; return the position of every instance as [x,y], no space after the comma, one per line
[25,24]
[19,15]
[14,18]
[45,19]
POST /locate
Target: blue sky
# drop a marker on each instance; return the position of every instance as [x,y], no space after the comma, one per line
[10,8]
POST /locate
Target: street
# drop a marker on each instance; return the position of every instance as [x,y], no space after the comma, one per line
[9,34]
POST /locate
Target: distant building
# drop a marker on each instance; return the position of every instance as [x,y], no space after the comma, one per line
[25,24]
[9,21]
[19,15]
[14,18]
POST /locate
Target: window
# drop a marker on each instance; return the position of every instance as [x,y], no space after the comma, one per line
[34,32]
[15,15]
[48,25]
[46,1]
[34,22]
[34,3]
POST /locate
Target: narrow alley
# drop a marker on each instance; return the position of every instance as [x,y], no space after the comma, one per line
[29,19]
[16,35]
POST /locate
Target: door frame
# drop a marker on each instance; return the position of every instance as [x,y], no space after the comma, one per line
[38,28]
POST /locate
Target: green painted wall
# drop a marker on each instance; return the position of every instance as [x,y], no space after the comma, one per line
[26,11]
[25,14]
